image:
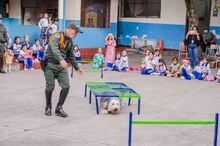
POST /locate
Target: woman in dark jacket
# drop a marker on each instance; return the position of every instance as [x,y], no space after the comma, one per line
[193,41]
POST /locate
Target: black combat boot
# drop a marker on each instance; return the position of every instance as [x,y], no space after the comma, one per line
[59,110]
[1,65]
[48,95]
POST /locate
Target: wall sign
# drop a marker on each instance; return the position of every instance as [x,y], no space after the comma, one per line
[215,13]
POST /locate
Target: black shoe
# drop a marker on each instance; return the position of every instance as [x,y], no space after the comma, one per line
[60,112]
[2,71]
[48,111]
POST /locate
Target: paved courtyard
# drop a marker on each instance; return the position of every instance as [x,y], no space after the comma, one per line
[23,123]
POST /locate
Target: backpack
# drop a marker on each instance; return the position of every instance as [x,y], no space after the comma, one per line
[61,42]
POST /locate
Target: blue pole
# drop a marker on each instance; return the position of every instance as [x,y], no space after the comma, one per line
[97,105]
[216,129]
[90,97]
[130,129]
[139,106]
[72,72]
[129,101]
[85,90]
[102,72]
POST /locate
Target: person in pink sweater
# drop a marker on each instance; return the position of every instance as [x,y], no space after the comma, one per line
[110,50]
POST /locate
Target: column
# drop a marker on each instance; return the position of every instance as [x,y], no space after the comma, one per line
[62,14]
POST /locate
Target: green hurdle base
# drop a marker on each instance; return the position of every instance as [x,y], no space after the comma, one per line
[174,123]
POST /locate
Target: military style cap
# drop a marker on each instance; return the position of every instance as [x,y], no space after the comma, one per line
[75,27]
[1,16]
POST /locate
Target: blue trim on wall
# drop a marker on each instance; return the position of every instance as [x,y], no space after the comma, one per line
[171,34]
[92,37]
[217,30]
[16,29]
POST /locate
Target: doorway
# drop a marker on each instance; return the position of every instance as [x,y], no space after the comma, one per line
[203,10]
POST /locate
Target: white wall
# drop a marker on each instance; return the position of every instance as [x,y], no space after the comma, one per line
[172,12]
[14,8]
[114,11]
[215,21]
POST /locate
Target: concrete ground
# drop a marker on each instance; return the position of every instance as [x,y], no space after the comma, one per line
[23,123]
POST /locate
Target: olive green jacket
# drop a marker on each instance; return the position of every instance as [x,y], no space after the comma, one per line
[54,51]
[3,35]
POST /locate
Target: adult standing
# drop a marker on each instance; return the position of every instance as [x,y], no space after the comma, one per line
[110,49]
[43,24]
[208,38]
[193,42]
[3,40]
[60,46]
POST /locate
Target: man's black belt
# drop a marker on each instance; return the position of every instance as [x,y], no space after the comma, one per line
[51,60]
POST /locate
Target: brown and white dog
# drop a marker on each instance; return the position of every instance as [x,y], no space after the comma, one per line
[7,60]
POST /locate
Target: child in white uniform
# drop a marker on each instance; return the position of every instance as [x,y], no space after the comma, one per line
[217,76]
[38,51]
[157,56]
[123,65]
[117,61]
[186,69]
[43,24]
[77,54]
[52,28]
[160,68]
[17,46]
[150,64]
[203,70]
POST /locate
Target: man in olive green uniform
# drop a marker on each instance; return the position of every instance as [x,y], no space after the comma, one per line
[3,40]
[60,46]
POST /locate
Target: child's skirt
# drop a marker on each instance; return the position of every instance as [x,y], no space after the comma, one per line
[43,35]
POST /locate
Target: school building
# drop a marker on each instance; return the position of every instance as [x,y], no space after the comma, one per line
[149,19]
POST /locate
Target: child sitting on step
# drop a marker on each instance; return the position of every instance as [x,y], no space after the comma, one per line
[38,50]
[77,54]
[25,57]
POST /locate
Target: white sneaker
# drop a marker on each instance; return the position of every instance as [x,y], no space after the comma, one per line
[169,75]
[157,74]
[175,76]
[16,60]
[79,63]
[183,78]
[25,69]
[192,76]
[32,69]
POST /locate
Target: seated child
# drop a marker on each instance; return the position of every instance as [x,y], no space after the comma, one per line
[157,56]
[98,59]
[161,68]
[185,69]
[9,41]
[77,54]
[174,69]
[117,61]
[143,62]
[17,46]
[25,57]
[123,65]
[203,70]
[38,50]
[217,76]
[26,42]
[150,64]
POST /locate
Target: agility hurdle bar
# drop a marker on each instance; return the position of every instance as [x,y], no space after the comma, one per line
[92,70]
[174,123]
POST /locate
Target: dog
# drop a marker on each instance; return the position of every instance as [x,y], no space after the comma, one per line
[110,105]
[7,60]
